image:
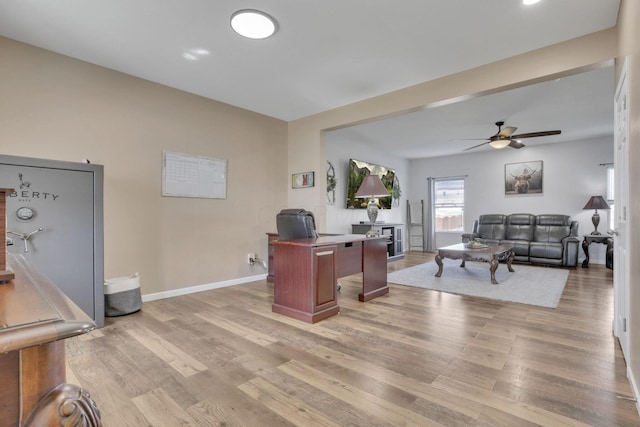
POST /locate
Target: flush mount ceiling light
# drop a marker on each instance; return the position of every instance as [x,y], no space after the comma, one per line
[253,24]
[529,2]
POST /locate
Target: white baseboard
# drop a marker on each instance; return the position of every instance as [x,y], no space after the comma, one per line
[634,387]
[200,288]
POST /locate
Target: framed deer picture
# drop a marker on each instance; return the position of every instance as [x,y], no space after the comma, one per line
[523,178]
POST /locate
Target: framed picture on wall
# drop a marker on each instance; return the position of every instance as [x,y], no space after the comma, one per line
[523,178]
[302,180]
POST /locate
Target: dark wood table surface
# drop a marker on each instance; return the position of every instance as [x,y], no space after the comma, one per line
[491,254]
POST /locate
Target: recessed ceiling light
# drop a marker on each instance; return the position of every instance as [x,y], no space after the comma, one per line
[529,2]
[253,24]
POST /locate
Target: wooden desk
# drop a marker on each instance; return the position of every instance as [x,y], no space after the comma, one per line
[35,316]
[306,273]
[271,237]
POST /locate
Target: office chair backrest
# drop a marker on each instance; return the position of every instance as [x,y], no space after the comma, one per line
[295,224]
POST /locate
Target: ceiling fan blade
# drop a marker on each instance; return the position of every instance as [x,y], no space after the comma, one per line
[535,134]
[506,135]
[507,132]
[476,146]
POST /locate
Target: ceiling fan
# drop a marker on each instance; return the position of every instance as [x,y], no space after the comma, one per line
[506,138]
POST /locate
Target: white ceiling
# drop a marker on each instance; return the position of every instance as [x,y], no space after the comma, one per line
[581,106]
[326,53]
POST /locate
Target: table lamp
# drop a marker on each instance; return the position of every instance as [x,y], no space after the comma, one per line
[596,202]
[371,188]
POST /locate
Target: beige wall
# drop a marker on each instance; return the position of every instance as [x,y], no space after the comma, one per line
[58,108]
[629,45]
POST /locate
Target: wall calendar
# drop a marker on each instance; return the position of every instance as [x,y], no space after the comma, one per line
[186,175]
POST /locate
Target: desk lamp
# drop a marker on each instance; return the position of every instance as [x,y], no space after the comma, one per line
[371,188]
[596,202]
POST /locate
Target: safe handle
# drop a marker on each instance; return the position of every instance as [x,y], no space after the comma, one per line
[26,236]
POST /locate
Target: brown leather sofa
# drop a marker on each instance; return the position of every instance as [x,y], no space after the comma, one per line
[548,239]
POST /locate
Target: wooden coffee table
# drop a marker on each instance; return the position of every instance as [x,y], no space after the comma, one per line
[491,254]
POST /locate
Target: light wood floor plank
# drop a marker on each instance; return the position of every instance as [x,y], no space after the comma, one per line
[534,415]
[161,411]
[421,389]
[246,333]
[176,358]
[412,357]
[295,411]
[359,399]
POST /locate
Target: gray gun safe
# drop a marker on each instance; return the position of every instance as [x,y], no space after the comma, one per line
[55,219]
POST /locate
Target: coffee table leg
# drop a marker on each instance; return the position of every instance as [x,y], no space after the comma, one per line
[493,268]
[463,260]
[509,260]
[439,262]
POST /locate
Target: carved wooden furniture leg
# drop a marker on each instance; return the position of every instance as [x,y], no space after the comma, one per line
[36,317]
[510,260]
[66,405]
[493,268]
[439,262]
[585,248]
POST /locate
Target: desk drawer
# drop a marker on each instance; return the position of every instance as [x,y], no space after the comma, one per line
[349,258]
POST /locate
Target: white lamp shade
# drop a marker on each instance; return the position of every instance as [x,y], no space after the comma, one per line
[372,186]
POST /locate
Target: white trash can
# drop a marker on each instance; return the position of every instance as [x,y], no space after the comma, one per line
[122,295]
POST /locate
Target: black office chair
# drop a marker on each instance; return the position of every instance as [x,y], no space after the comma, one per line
[296,224]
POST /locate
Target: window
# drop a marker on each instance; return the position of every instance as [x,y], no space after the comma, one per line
[610,184]
[610,196]
[449,204]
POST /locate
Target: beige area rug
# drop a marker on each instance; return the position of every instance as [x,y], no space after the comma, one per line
[540,286]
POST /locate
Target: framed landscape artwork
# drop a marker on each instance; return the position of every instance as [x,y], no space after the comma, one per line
[523,178]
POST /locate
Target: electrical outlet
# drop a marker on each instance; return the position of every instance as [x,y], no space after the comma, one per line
[251,259]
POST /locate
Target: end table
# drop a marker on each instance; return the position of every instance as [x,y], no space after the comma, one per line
[589,239]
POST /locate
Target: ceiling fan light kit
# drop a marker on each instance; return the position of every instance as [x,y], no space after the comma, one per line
[499,143]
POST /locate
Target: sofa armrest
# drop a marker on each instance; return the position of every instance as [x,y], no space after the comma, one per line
[570,247]
[574,229]
[467,237]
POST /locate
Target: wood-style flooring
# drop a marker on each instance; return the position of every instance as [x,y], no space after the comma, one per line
[414,357]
